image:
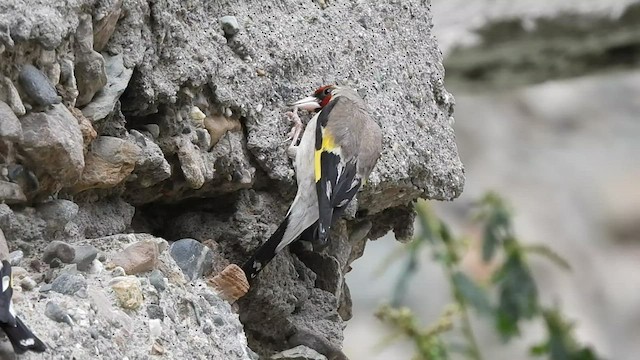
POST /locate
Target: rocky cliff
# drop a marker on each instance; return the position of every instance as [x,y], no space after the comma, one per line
[143,147]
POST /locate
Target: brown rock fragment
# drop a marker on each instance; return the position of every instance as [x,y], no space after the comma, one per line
[138,257]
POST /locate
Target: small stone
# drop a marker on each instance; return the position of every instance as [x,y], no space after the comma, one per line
[11,193]
[104,102]
[15,257]
[218,126]
[231,284]
[156,278]
[38,86]
[86,129]
[229,25]
[155,328]
[24,177]
[10,95]
[4,247]
[109,161]
[36,265]
[49,65]
[261,72]
[53,143]
[192,257]
[45,288]
[56,313]
[19,272]
[203,139]
[207,328]
[82,293]
[10,128]
[155,312]
[106,25]
[28,283]
[118,271]
[128,292]
[196,114]
[85,254]
[90,68]
[300,352]
[68,85]
[191,163]
[157,348]
[218,320]
[55,263]
[60,250]
[68,283]
[152,167]
[153,129]
[57,213]
[139,257]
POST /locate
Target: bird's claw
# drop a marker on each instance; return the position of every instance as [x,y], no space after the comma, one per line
[296,129]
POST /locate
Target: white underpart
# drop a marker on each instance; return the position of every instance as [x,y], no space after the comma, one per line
[304,209]
[6,282]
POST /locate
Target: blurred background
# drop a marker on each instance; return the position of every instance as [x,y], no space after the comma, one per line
[548,115]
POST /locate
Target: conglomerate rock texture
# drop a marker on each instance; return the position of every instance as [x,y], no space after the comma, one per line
[127,124]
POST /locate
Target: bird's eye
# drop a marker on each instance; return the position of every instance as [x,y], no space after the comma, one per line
[327,91]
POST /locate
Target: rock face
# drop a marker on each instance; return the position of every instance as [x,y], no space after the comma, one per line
[168,119]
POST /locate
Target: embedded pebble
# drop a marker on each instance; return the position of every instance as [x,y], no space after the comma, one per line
[15,257]
[155,312]
[10,95]
[68,283]
[56,313]
[156,278]
[10,128]
[85,254]
[118,271]
[229,25]
[128,292]
[138,257]
[155,328]
[60,250]
[57,213]
[37,86]
[28,283]
[192,256]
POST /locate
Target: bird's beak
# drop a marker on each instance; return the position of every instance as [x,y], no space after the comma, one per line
[309,103]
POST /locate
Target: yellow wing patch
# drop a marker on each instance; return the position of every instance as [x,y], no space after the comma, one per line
[328,145]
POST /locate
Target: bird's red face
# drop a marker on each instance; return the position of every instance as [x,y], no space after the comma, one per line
[323,94]
[318,100]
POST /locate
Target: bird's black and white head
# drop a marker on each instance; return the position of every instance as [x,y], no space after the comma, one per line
[320,98]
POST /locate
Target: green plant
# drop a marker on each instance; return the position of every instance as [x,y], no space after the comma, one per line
[509,297]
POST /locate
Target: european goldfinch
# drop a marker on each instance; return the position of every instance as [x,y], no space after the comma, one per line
[337,152]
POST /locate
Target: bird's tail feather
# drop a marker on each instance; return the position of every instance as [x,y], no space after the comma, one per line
[265,252]
[6,293]
[21,338]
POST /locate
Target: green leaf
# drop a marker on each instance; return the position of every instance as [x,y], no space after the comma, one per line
[497,229]
[471,292]
[518,295]
[546,252]
[560,344]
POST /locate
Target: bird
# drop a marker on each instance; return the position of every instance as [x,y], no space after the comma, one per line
[21,338]
[339,148]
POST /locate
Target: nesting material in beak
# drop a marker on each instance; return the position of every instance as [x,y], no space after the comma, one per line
[309,103]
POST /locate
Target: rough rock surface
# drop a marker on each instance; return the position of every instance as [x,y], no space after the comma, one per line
[171,123]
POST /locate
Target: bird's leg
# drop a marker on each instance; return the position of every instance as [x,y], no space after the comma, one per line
[295,132]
